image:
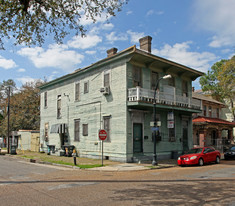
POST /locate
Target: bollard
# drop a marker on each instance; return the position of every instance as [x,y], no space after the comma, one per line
[74,157]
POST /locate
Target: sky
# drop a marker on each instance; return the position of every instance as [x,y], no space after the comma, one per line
[194,33]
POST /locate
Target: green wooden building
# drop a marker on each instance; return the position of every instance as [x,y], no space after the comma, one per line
[117,94]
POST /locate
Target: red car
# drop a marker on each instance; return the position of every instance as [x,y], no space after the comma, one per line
[199,156]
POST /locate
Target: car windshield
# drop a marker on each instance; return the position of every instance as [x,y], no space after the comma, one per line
[195,151]
[232,148]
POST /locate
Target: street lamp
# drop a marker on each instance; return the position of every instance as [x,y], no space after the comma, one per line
[155,119]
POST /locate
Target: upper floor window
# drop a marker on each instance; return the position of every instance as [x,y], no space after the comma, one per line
[106,79]
[107,127]
[136,73]
[185,88]
[45,99]
[210,111]
[204,110]
[171,81]
[86,87]
[154,79]
[217,112]
[59,106]
[77,91]
[77,130]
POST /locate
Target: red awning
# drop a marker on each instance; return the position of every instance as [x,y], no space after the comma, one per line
[212,120]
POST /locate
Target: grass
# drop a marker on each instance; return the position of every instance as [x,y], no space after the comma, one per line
[83,163]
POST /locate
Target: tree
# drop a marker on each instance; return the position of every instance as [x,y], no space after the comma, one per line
[29,21]
[24,109]
[226,77]
[220,82]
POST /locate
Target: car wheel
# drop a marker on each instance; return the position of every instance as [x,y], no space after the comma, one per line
[201,162]
[217,160]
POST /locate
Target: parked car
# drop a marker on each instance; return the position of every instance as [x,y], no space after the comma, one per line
[230,153]
[199,156]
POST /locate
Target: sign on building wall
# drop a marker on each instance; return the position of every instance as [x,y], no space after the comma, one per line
[170,120]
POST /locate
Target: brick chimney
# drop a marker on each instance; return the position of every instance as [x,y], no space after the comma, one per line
[112,52]
[145,43]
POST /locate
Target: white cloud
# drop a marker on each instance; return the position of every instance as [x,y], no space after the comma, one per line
[90,52]
[135,36]
[129,12]
[99,19]
[108,26]
[89,41]
[216,16]
[150,12]
[7,63]
[56,56]
[21,70]
[25,79]
[180,53]
[116,37]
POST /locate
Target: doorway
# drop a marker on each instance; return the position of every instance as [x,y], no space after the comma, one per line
[137,137]
[185,135]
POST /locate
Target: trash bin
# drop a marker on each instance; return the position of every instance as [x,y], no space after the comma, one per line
[70,150]
[174,154]
[50,149]
[13,149]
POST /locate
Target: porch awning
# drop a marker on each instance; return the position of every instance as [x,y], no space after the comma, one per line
[59,128]
[204,120]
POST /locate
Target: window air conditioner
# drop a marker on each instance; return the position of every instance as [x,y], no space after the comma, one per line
[104,90]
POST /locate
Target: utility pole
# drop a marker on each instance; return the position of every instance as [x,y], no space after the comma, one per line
[8,121]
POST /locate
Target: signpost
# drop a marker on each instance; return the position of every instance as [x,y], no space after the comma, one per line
[102,137]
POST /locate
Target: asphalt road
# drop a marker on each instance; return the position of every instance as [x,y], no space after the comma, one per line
[31,184]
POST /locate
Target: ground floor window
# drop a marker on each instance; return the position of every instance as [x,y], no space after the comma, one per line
[77,130]
[107,127]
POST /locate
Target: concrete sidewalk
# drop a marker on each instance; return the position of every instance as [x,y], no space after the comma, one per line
[131,167]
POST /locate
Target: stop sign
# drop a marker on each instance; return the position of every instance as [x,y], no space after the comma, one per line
[102,134]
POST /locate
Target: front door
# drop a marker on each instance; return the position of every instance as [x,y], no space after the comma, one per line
[137,138]
[185,136]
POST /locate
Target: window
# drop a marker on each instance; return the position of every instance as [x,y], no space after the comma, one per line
[59,106]
[107,127]
[158,133]
[185,88]
[85,129]
[77,91]
[171,81]
[77,130]
[86,87]
[136,72]
[210,111]
[217,112]
[46,132]
[45,99]
[171,134]
[106,79]
[154,79]
[204,110]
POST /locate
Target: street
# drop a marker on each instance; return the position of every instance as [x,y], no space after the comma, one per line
[23,183]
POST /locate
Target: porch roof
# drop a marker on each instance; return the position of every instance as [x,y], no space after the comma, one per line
[204,120]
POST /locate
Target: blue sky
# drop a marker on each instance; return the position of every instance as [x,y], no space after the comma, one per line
[194,33]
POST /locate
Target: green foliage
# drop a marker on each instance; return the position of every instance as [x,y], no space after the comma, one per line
[220,82]
[24,107]
[30,21]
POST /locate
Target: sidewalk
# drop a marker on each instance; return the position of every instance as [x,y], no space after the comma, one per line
[36,158]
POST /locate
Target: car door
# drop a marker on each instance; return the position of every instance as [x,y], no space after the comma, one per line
[206,155]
